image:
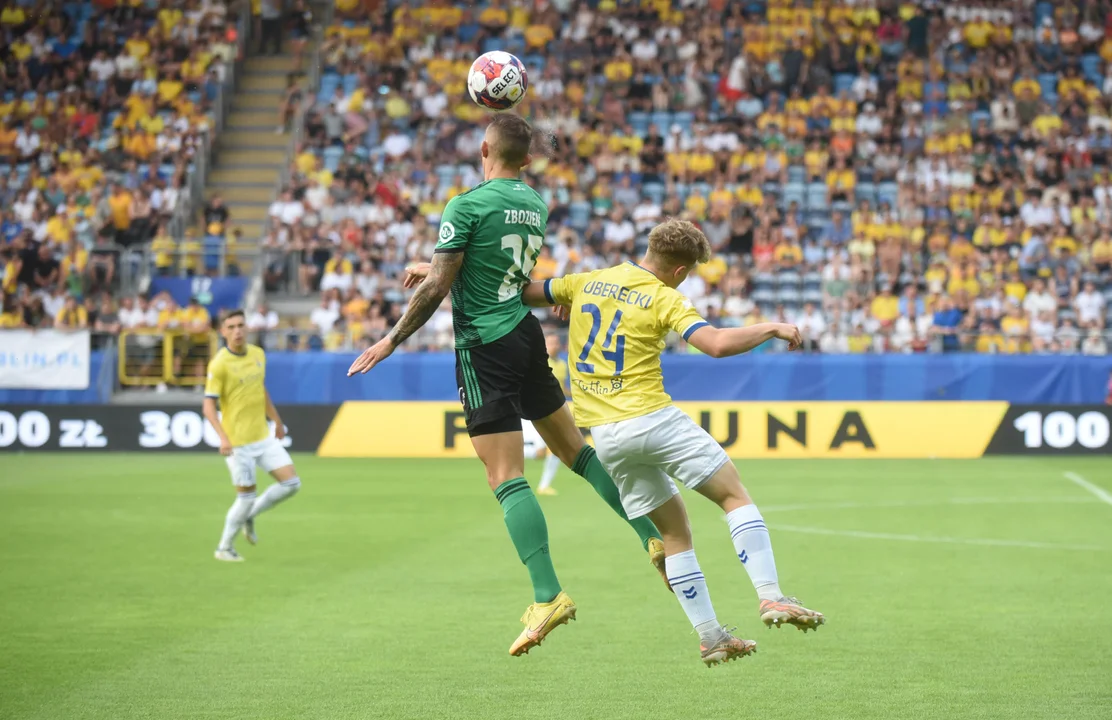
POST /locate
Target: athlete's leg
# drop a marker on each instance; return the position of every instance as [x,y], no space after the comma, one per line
[646,491]
[753,546]
[489,378]
[565,441]
[241,465]
[502,454]
[551,467]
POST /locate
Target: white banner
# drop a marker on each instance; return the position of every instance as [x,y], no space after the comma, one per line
[44,359]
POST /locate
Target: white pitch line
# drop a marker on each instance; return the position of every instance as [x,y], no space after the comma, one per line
[1099,492]
[940,540]
[927,503]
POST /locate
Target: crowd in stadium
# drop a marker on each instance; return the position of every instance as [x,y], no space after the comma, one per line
[892,176]
[103,106]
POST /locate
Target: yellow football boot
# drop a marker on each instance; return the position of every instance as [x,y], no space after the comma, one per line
[541,619]
[656,557]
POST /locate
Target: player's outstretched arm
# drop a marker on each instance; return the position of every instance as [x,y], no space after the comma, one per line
[724,342]
[533,295]
[429,295]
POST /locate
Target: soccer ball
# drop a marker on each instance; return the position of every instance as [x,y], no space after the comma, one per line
[497,81]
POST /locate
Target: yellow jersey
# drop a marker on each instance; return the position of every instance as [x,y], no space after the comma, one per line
[619,319]
[237,382]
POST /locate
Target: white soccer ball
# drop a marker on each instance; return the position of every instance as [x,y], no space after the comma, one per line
[497,81]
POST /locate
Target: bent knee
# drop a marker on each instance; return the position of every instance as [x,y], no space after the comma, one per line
[291,484]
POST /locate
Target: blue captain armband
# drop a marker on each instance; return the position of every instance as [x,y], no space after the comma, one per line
[689,331]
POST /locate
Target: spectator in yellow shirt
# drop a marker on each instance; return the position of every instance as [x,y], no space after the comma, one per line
[1047,122]
[858,341]
[885,307]
[990,340]
[72,316]
[538,35]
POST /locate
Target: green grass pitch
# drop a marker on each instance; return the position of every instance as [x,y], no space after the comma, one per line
[389,589]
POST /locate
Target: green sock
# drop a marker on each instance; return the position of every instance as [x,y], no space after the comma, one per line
[529,533]
[588,467]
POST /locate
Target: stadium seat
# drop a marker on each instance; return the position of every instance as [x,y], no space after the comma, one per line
[812,295]
[789,279]
[764,281]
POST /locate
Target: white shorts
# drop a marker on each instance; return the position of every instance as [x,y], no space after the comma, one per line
[267,454]
[644,453]
[535,448]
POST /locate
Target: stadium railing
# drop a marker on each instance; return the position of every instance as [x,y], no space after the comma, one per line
[159,357]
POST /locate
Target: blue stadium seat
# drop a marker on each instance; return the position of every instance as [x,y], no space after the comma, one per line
[1049,84]
[789,296]
[887,192]
[763,296]
[797,174]
[331,157]
[865,191]
[816,197]
[579,214]
[654,192]
[793,192]
[663,121]
[763,280]
[1043,10]
[640,122]
[1090,68]
[789,279]
[812,281]
[843,82]
[812,295]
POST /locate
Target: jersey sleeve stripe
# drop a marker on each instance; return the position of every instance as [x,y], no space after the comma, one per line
[694,326]
[548,291]
[448,250]
[210,395]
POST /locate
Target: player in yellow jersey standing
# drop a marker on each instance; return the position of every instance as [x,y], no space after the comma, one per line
[236,378]
[620,317]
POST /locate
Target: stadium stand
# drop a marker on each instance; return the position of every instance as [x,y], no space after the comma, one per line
[913,176]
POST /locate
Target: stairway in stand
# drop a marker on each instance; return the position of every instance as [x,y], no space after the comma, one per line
[250,153]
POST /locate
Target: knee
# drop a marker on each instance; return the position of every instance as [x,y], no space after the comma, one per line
[497,476]
[292,485]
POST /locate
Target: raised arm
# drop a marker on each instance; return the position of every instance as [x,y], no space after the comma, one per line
[724,342]
[429,295]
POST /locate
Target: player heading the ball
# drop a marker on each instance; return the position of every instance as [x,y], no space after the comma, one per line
[620,317]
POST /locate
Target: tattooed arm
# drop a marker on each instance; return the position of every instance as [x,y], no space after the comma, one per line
[429,295]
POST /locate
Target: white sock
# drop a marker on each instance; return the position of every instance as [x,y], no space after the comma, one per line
[551,465]
[687,581]
[275,494]
[233,521]
[754,549]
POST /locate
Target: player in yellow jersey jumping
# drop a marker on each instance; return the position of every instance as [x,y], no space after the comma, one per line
[620,317]
[235,378]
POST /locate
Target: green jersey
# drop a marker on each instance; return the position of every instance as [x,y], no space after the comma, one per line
[499,225]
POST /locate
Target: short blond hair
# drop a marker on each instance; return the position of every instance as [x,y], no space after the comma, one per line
[679,243]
